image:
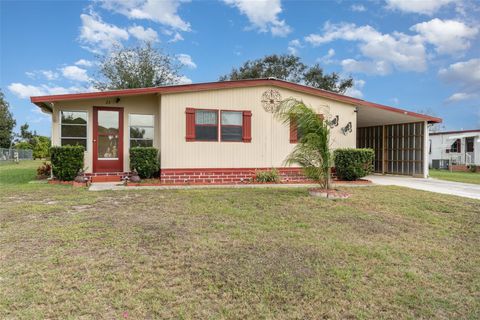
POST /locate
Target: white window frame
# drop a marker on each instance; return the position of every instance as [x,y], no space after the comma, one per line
[60,127]
[130,125]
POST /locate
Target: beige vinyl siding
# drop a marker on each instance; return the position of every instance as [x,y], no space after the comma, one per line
[145,104]
[270,143]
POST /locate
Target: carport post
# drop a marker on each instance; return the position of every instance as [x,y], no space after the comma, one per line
[384,148]
[426,140]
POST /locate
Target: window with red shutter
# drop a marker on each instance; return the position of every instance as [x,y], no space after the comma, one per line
[190,124]
[247,126]
[293,130]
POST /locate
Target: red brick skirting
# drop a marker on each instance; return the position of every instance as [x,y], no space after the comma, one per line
[71,183]
[226,175]
[462,168]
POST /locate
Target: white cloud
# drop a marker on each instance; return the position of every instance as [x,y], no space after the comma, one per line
[461,96]
[175,38]
[465,76]
[84,63]
[356,91]
[75,73]
[368,67]
[427,7]
[465,72]
[184,80]
[293,46]
[47,74]
[143,34]
[164,12]
[327,59]
[397,50]
[448,36]
[186,60]
[358,7]
[98,35]
[24,91]
[263,15]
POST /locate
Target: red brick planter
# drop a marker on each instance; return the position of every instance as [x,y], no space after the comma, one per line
[71,183]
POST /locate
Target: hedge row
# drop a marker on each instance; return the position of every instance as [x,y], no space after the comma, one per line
[144,161]
[352,164]
[67,161]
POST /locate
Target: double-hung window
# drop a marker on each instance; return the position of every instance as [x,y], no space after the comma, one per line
[73,128]
[206,125]
[232,125]
[141,130]
[218,125]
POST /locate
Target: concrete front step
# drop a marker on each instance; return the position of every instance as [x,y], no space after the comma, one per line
[102,178]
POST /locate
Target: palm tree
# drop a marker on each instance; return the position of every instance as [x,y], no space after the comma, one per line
[312,151]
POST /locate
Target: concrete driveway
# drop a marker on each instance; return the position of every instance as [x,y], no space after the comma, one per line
[434,185]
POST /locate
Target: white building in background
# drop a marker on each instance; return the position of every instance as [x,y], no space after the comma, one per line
[454,147]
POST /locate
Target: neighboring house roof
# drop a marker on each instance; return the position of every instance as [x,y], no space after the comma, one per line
[455,132]
[42,101]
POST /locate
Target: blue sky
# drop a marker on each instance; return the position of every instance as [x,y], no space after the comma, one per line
[416,55]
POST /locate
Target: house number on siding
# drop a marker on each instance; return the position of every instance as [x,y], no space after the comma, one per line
[108,101]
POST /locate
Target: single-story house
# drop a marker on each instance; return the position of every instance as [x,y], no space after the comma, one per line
[224,130]
[454,148]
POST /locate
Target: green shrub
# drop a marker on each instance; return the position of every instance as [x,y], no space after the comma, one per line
[267,176]
[352,164]
[472,168]
[41,147]
[43,171]
[66,161]
[23,145]
[144,161]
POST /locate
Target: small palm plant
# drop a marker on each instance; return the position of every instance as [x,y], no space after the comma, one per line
[312,152]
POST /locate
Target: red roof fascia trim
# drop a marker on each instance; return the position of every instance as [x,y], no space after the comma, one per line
[91,95]
[453,132]
[227,85]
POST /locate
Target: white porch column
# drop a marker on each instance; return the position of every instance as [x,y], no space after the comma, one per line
[426,142]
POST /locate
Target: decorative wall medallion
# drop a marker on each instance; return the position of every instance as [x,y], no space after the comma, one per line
[271,100]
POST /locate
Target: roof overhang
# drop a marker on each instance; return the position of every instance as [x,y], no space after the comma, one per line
[474,131]
[362,104]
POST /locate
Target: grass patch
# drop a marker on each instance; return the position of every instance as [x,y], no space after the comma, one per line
[466,177]
[387,252]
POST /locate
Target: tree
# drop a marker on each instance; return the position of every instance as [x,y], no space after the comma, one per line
[138,67]
[289,68]
[285,67]
[7,123]
[25,134]
[314,77]
[435,127]
[312,151]
[41,147]
[31,140]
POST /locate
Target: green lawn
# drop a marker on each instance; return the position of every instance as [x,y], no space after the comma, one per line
[467,177]
[385,253]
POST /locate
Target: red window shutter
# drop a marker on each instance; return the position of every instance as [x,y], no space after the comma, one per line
[247,126]
[190,124]
[293,130]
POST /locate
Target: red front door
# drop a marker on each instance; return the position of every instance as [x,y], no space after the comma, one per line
[107,139]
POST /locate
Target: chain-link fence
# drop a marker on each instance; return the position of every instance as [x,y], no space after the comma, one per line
[14,154]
